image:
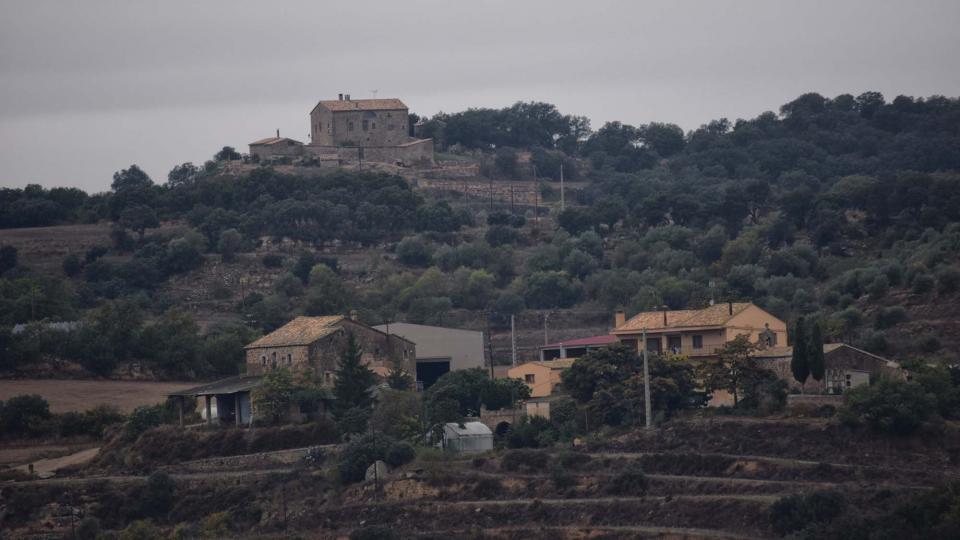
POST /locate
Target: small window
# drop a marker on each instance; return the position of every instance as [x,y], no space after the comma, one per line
[373,125]
[697,342]
[263,360]
[366,125]
[529,378]
[289,359]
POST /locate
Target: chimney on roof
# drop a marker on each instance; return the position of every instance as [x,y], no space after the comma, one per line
[340,97]
[619,318]
[665,309]
[278,133]
[730,307]
[346,97]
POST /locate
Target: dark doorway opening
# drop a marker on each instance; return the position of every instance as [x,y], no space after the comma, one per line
[429,372]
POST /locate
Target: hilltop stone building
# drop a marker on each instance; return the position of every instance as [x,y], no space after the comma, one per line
[846,367]
[352,131]
[359,122]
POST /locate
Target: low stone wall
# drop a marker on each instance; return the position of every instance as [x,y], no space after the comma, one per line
[259,461]
[417,152]
[813,401]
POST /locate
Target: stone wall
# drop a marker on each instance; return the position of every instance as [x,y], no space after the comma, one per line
[260,361]
[412,153]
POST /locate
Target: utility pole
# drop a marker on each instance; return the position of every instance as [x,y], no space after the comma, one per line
[563,204]
[536,198]
[490,347]
[647,408]
[546,316]
[513,339]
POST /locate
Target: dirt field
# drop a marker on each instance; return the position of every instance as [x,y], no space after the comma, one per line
[67,395]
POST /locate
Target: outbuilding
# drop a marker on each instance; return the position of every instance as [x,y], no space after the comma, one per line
[467,438]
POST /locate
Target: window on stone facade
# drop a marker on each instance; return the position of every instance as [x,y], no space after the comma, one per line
[697,342]
[373,125]
[263,360]
[366,125]
[273,359]
[289,359]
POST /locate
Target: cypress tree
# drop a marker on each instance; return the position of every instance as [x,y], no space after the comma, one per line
[815,358]
[799,362]
[354,379]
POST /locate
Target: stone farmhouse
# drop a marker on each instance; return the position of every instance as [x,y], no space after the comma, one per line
[311,345]
[316,344]
[353,131]
[846,367]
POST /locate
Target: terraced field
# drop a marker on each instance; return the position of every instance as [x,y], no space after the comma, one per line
[702,479]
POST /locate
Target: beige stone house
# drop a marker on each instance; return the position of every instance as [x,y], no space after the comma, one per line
[698,333]
[542,376]
[316,344]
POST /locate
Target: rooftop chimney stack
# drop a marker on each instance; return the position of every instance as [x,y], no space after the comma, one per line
[278,133]
[665,315]
[340,97]
[619,318]
[346,97]
[730,307]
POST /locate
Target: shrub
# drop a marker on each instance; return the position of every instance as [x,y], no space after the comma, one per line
[889,406]
[143,418]
[948,280]
[272,261]
[890,317]
[72,265]
[796,512]
[362,452]
[216,525]
[24,415]
[88,528]
[158,495]
[487,488]
[922,283]
[531,432]
[524,461]
[561,478]
[630,482]
[140,530]
[414,251]
[501,235]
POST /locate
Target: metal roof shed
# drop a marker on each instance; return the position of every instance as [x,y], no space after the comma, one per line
[469,437]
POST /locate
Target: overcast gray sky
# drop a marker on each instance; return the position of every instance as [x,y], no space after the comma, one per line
[89,87]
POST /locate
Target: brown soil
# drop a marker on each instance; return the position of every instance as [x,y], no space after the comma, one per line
[73,395]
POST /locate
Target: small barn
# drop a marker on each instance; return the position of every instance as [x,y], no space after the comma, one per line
[467,438]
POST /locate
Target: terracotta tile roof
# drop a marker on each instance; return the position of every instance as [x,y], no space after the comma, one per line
[561,363]
[274,140]
[583,342]
[716,315]
[338,105]
[300,331]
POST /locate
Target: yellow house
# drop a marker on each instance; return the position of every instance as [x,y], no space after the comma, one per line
[542,376]
[698,333]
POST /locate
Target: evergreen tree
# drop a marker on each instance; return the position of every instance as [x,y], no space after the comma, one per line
[354,379]
[398,379]
[799,362]
[815,359]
